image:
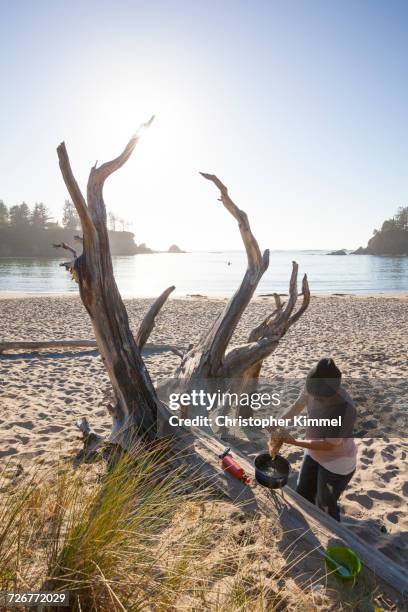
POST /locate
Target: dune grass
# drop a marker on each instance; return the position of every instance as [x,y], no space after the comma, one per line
[135,539]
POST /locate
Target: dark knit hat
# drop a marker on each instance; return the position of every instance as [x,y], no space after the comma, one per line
[324,379]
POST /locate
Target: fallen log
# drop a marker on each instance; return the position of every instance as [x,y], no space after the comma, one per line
[57,344]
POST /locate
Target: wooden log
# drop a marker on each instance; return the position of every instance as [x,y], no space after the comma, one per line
[45,344]
[57,344]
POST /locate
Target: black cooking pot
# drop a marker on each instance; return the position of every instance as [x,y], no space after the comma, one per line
[271,473]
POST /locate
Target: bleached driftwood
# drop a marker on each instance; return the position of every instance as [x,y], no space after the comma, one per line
[210,357]
[136,406]
[65,344]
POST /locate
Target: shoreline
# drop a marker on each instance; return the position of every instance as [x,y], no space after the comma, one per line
[72,294]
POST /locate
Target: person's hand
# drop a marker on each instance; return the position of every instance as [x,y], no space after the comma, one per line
[278,439]
[274,445]
[288,439]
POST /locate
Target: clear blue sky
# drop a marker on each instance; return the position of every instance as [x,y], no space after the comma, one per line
[300,107]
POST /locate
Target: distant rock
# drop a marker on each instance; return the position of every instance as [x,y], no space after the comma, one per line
[339,252]
[360,251]
[175,249]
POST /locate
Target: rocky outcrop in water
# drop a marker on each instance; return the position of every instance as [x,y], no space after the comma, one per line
[339,252]
[175,249]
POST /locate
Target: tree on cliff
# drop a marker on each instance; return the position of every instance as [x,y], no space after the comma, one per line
[392,239]
[70,219]
[19,215]
[4,214]
[401,218]
[398,222]
[40,216]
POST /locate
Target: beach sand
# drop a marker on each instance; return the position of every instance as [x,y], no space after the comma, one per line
[43,394]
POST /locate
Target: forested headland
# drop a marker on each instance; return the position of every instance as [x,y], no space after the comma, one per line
[391,239]
[31,232]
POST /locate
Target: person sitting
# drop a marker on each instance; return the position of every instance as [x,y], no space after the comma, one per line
[330,456]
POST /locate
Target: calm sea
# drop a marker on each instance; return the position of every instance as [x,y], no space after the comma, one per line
[210,274]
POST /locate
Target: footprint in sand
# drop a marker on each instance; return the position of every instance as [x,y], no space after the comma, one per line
[389,474]
[50,429]
[387,455]
[393,517]
[361,499]
[24,424]
[370,424]
[389,449]
[386,496]
[369,453]
[7,453]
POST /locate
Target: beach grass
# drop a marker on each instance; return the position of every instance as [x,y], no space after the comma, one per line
[141,537]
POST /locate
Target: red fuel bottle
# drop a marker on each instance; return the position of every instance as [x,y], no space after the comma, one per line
[232,467]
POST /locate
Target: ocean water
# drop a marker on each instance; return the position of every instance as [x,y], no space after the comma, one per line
[210,274]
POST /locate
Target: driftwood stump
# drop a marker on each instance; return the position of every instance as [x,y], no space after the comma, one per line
[137,405]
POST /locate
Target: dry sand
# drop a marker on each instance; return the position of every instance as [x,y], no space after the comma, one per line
[42,394]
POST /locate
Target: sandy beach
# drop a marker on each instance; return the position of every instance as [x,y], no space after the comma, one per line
[43,394]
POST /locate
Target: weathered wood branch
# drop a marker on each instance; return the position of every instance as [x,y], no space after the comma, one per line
[102,173]
[146,326]
[136,400]
[91,440]
[253,252]
[206,359]
[74,190]
[261,329]
[67,247]
[305,303]
[68,265]
[264,339]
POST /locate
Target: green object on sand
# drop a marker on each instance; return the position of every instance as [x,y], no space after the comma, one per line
[343,562]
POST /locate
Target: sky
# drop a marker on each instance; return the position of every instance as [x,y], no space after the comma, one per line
[299,107]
